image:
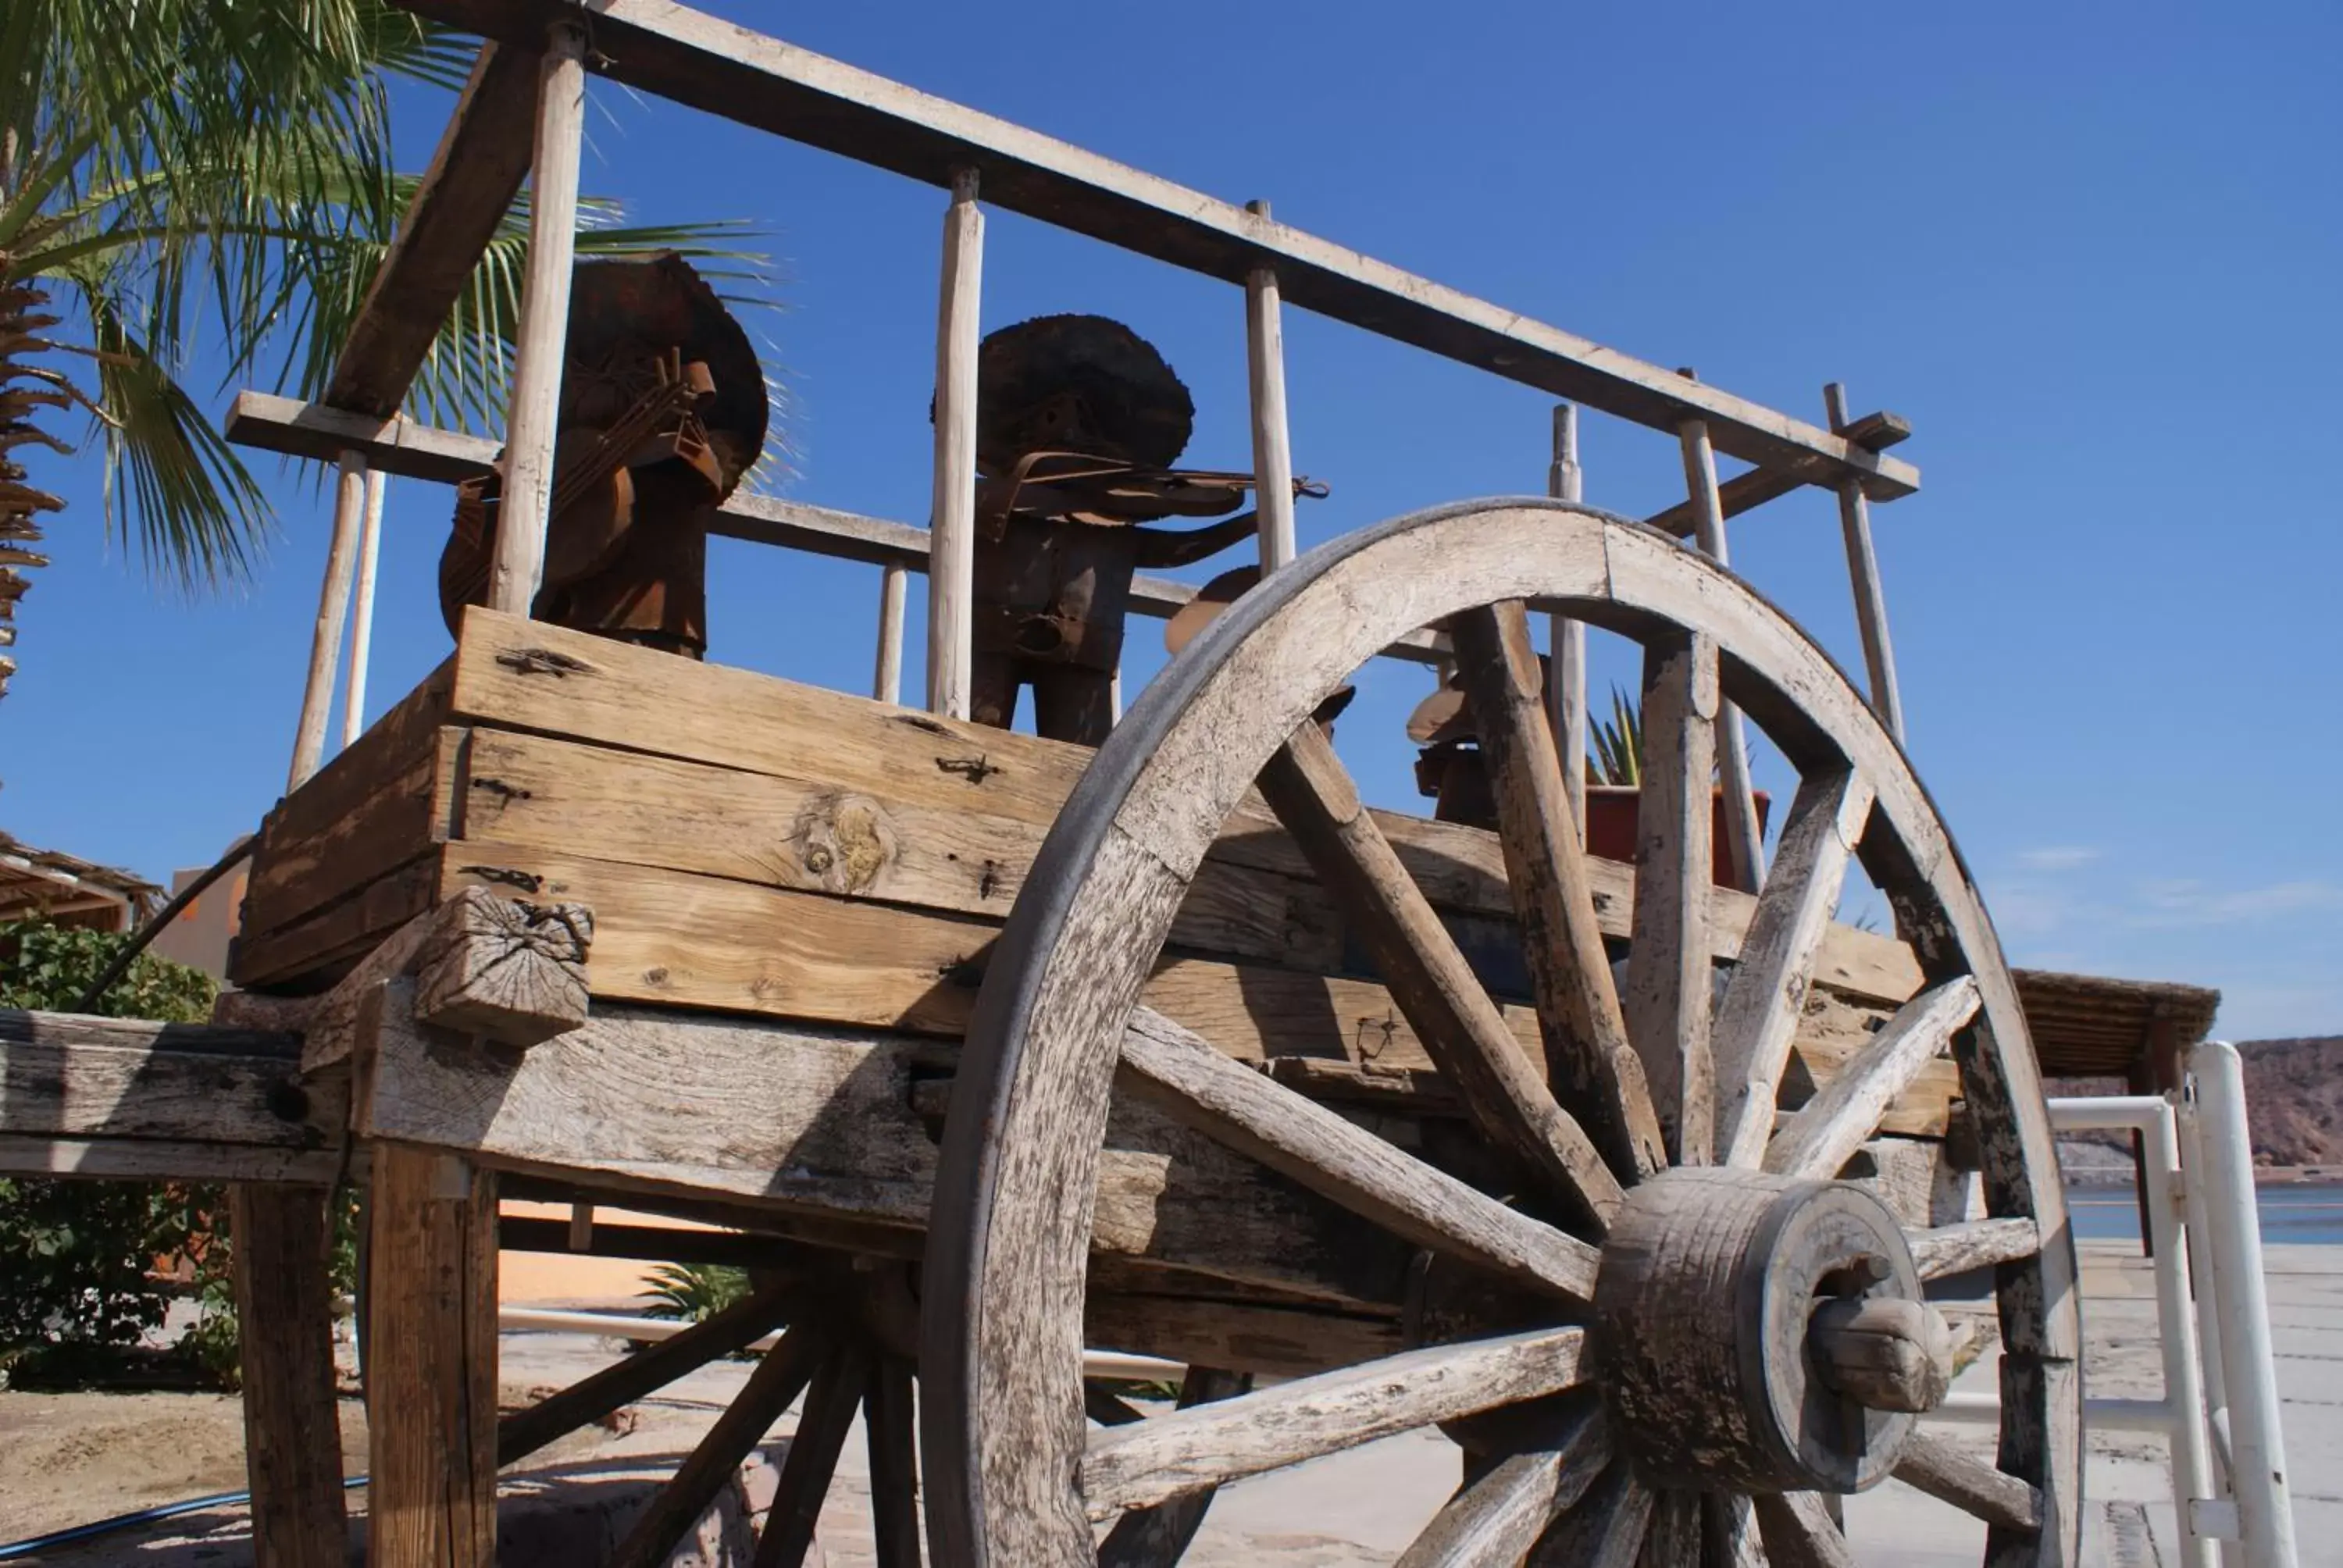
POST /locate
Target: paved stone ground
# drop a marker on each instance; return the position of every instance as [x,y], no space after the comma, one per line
[1363,1507]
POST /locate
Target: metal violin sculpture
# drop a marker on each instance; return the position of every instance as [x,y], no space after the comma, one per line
[663,411]
[1078,421]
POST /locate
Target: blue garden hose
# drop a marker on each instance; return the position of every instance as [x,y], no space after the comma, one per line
[17,1551]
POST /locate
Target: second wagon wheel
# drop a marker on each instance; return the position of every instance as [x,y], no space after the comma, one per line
[1704,1330]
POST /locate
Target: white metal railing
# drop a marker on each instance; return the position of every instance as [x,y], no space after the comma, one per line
[2220,1409]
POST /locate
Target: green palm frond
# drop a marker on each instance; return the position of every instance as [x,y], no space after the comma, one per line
[201,175]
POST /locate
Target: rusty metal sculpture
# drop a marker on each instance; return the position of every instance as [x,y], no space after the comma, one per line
[1078,421]
[663,409]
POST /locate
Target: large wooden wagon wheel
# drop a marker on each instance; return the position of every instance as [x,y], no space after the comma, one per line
[1719,1331]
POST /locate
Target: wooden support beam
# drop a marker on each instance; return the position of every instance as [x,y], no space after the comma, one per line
[159,1094]
[1746,492]
[362,609]
[722,68]
[1273,446]
[1566,638]
[540,354]
[482,158]
[886,677]
[431,1362]
[951,570]
[292,1433]
[1863,574]
[1743,836]
[507,971]
[325,637]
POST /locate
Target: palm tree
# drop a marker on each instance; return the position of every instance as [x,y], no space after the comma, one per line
[174,171]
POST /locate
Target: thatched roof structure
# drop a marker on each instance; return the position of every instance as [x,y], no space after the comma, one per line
[70,890]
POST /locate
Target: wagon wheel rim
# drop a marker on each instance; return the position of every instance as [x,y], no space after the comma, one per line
[1014,1475]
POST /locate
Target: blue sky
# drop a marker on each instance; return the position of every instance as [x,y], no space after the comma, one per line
[2090,252]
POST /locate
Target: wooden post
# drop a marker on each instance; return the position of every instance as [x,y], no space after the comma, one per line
[1743,836]
[1566,693]
[1863,572]
[362,607]
[952,545]
[431,1371]
[544,324]
[887,678]
[292,1436]
[326,639]
[1272,450]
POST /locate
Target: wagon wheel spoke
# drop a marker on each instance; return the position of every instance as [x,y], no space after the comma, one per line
[813,1458]
[1155,1537]
[1672,1540]
[1935,1466]
[1589,1060]
[1978,1243]
[1604,1531]
[1668,967]
[1798,1532]
[1763,1003]
[1492,1522]
[1435,989]
[1182,1075]
[1824,1135]
[887,1416]
[1146,1462]
[1729,1532]
[775,1383]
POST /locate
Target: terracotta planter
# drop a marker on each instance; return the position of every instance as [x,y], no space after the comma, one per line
[1611,827]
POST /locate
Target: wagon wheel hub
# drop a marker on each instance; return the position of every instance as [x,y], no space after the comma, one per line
[1764,1333]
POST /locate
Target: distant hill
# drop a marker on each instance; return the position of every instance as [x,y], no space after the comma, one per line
[2294,1102]
[2294,1099]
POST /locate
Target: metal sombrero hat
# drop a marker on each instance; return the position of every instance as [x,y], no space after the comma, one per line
[1447,716]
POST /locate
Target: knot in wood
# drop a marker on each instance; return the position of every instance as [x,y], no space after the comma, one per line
[1706,1315]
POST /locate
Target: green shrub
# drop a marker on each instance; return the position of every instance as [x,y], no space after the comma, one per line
[77,1258]
[694,1291]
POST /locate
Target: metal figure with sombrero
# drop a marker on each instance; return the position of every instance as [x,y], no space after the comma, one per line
[662,410]
[1078,421]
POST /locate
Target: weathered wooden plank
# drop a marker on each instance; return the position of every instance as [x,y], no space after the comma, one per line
[952,500]
[821,1122]
[1934,1465]
[1949,1249]
[313,952]
[151,1159]
[507,971]
[372,809]
[1183,1076]
[1494,1521]
[431,1368]
[466,190]
[526,675]
[1767,996]
[292,1433]
[726,69]
[70,1076]
[1305,784]
[1590,1062]
[1818,1139]
[1133,1466]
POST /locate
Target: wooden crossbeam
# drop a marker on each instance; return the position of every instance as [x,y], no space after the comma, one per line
[482,159]
[1746,492]
[726,69]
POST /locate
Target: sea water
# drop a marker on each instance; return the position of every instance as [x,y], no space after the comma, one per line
[2301,1212]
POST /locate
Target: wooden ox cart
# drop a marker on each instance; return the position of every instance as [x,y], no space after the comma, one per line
[1655,1195]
